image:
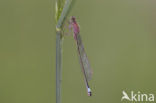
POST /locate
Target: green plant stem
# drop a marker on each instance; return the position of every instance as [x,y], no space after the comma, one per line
[59,49]
[64,13]
[58,66]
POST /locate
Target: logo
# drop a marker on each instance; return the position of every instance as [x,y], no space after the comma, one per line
[137,96]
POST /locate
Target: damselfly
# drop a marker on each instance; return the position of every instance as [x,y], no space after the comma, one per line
[86,69]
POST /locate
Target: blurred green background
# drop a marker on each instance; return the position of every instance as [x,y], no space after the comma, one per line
[118,35]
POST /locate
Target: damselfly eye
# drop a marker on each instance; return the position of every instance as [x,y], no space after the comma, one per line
[73,18]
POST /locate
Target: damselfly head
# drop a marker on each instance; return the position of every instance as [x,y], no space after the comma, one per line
[73,19]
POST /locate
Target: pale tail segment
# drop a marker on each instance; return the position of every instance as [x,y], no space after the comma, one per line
[86,69]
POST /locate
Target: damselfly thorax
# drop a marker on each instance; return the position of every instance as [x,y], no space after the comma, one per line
[74,26]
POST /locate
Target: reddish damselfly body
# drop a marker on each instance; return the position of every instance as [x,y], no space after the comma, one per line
[86,69]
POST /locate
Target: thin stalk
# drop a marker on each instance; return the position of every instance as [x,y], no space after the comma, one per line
[59,34]
[64,13]
[58,66]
